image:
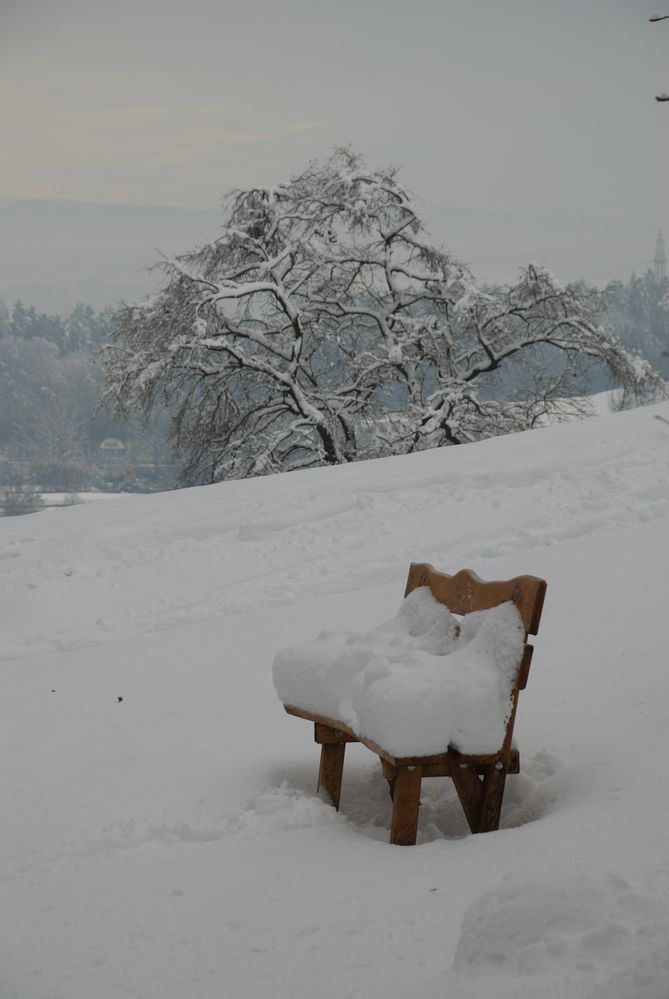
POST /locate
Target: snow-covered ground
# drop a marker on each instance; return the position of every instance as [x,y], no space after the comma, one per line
[171,844]
[54,500]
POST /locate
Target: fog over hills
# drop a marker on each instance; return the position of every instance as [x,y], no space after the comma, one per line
[55,253]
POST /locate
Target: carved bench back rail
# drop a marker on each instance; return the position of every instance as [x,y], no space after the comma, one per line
[466,592]
[478,779]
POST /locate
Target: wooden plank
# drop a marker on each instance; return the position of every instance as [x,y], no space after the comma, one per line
[401,761]
[524,668]
[322,720]
[331,770]
[406,804]
[483,764]
[481,759]
[437,770]
[348,735]
[445,769]
[466,592]
[324,734]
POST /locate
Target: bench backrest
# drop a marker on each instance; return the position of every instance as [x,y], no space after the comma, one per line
[466,592]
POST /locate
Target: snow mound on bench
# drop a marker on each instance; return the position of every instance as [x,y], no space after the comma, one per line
[411,684]
[317,676]
[425,703]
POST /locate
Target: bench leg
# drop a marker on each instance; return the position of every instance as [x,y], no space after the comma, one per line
[331,770]
[390,773]
[470,793]
[493,794]
[406,803]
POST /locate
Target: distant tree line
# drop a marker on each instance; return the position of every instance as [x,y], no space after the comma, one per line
[51,427]
[638,312]
[82,330]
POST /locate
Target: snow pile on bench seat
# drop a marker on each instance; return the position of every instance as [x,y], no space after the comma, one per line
[416,684]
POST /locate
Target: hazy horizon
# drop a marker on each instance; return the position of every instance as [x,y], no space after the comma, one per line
[528,131]
[110,248]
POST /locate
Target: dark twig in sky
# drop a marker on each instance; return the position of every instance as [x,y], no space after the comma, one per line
[660,17]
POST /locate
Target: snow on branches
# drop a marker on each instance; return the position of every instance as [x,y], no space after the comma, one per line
[323,325]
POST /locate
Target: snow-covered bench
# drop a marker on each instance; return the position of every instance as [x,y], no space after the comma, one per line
[430,694]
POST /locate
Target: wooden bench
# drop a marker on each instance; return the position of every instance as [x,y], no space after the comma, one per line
[479,779]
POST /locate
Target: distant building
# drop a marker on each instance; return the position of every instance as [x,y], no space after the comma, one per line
[112,450]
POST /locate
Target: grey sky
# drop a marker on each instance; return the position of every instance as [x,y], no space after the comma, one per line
[494,106]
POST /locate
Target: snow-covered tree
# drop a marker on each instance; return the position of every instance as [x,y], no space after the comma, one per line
[637,313]
[324,325]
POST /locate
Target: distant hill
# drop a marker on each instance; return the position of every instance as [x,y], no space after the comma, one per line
[55,253]
[596,245]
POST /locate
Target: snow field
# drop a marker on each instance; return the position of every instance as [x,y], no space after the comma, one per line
[172,844]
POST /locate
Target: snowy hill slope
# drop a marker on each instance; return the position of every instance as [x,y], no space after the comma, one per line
[171,844]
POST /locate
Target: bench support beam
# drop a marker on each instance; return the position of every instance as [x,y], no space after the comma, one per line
[491,806]
[331,770]
[406,803]
[470,793]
